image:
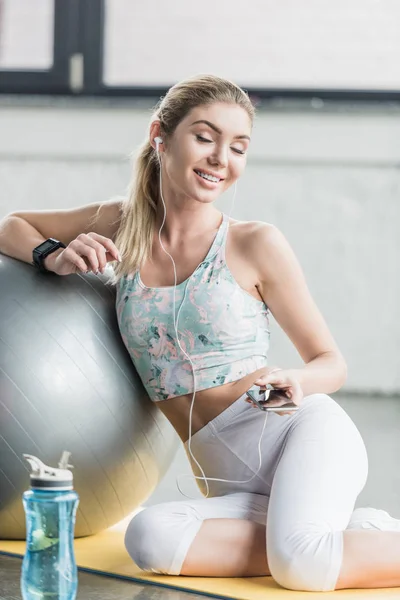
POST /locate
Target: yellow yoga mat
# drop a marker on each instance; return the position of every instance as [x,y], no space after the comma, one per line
[105,554]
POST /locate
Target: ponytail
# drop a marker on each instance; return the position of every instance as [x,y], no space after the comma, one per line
[135,235]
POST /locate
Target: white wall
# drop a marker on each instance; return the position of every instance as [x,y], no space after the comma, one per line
[329,178]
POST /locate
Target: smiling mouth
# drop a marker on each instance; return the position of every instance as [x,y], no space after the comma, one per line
[207,176]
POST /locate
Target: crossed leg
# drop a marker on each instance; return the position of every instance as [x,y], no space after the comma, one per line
[321,470]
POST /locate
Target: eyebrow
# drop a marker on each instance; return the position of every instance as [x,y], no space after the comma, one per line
[218,130]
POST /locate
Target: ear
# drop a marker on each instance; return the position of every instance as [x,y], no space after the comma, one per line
[155,131]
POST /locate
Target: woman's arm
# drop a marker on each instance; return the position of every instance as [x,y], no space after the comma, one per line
[284,290]
[21,232]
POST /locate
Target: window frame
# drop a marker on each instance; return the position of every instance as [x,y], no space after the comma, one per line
[55,79]
[79,30]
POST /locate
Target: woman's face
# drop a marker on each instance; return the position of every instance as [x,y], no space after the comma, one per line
[207,152]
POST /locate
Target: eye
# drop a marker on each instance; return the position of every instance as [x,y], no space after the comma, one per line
[200,138]
[238,151]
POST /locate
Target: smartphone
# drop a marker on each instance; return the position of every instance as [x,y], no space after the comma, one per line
[271,399]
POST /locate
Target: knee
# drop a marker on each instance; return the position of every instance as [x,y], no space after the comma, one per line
[156,537]
[143,539]
[306,560]
[317,399]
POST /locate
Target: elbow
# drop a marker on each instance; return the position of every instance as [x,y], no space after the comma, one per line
[337,370]
[7,221]
[4,228]
[9,216]
[8,233]
[341,372]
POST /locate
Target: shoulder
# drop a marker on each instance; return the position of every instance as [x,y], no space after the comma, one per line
[256,234]
[263,245]
[112,210]
[108,217]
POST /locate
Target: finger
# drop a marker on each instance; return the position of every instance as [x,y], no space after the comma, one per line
[76,260]
[297,399]
[271,378]
[253,404]
[250,402]
[99,248]
[87,252]
[268,371]
[101,257]
[109,257]
[295,393]
[108,245]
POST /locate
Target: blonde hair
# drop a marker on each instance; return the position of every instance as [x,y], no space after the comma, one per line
[135,234]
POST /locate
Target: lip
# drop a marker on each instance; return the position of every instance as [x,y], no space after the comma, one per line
[211,185]
[212,173]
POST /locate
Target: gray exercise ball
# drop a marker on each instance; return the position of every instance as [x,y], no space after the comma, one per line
[68,383]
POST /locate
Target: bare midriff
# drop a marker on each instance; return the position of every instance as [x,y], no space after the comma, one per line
[208,404]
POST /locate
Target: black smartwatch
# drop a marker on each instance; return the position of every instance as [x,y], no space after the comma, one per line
[43,250]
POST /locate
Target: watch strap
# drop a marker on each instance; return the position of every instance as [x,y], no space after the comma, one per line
[43,250]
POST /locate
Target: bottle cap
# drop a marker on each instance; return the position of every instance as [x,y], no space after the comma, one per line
[49,478]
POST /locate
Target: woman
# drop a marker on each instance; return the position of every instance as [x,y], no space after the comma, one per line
[291,517]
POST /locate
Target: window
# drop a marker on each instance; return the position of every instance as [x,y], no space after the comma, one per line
[289,44]
[26,34]
[326,48]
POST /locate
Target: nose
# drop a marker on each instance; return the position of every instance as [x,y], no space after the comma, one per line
[219,156]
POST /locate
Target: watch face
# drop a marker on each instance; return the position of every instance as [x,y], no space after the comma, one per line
[47,245]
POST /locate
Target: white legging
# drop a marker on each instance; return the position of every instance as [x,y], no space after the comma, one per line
[314,465]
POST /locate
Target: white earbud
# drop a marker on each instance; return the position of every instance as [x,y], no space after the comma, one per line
[158,141]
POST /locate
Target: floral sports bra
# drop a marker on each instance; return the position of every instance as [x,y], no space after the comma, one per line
[223,329]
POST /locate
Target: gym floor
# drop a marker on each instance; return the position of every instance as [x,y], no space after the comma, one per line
[91,587]
[379,429]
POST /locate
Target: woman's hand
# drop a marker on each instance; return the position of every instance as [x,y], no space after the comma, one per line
[88,252]
[282,379]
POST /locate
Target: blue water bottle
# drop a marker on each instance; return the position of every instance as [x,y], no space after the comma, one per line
[49,569]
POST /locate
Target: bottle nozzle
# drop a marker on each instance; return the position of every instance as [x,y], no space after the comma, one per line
[38,468]
[47,477]
[63,464]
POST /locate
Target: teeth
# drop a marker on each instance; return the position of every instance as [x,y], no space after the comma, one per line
[209,177]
